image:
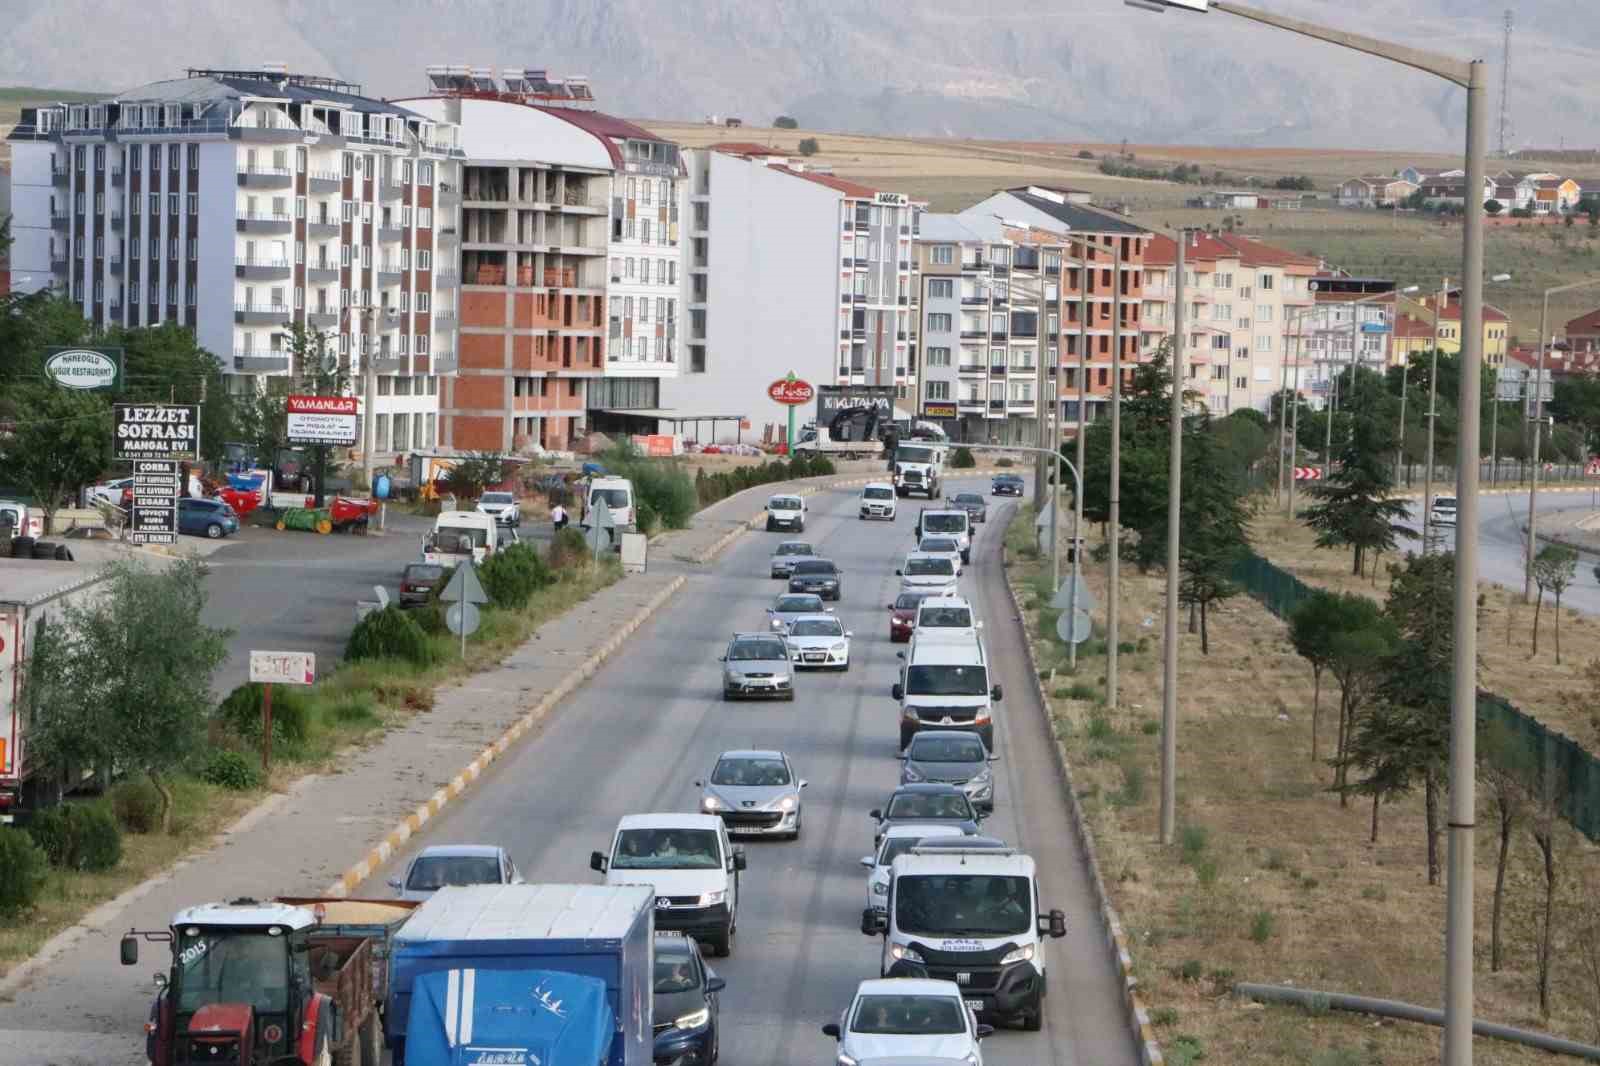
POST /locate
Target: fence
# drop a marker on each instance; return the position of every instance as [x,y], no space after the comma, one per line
[1559,758]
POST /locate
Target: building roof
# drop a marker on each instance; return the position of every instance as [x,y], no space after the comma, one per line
[1410,327]
[1078,217]
[744,148]
[233,85]
[1452,308]
[1211,247]
[849,188]
[1584,324]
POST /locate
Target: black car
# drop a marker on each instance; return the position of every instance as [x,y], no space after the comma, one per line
[972,503]
[1006,485]
[418,582]
[685,1004]
[926,803]
[819,576]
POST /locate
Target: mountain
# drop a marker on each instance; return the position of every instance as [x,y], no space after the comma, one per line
[1067,70]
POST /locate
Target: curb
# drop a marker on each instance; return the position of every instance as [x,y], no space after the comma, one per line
[1138,1018]
[414,821]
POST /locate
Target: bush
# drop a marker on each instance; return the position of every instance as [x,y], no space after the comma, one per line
[1185,1050]
[240,714]
[1163,1017]
[962,459]
[1132,792]
[648,521]
[511,576]
[1100,728]
[664,486]
[1005,460]
[51,830]
[137,805]
[809,146]
[784,122]
[23,868]
[388,634]
[77,836]
[1192,840]
[1261,927]
[230,770]
[568,547]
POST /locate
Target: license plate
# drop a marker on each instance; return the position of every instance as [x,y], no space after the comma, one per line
[975,1004]
[816,658]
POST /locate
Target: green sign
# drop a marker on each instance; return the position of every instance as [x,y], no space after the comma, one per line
[84,368]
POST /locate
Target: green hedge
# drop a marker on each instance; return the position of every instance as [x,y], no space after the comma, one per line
[713,487]
[512,575]
[78,836]
[23,868]
[389,634]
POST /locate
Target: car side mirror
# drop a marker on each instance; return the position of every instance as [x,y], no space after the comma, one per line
[903,756]
[739,860]
[699,784]
[876,814]
[984,1030]
[996,694]
[977,625]
[994,756]
[849,633]
[831,1029]
[597,862]
[395,883]
[899,655]
[889,606]
[722,658]
[129,950]
[715,985]
[1054,923]
[804,783]
[868,862]
[897,692]
[899,573]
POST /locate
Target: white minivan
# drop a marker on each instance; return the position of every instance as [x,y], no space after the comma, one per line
[954,522]
[617,493]
[689,861]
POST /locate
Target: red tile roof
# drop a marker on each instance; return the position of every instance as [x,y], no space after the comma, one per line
[1409,328]
[1452,308]
[849,188]
[1584,325]
[601,124]
[1210,247]
[745,148]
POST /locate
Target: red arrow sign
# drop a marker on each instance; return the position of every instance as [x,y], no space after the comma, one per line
[791,391]
[1307,473]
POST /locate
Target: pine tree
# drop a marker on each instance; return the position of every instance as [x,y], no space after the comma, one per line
[1214,519]
[1356,505]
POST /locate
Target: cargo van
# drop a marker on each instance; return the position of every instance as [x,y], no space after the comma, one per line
[945,684]
[459,535]
[953,522]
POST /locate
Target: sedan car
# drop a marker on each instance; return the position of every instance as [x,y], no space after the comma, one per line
[976,506]
[757,664]
[939,544]
[787,554]
[455,864]
[755,793]
[912,1020]
[903,615]
[817,575]
[896,842]
[1006,485]
[206,518]
[685,1003]
[931,574]
[951,757]
[417,582]
[1444,511]
[821,641]
[925,804]
[792,605]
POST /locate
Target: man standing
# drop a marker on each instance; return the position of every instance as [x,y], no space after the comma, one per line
[558,515]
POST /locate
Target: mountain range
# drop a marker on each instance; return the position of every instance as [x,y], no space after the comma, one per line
[1067,70]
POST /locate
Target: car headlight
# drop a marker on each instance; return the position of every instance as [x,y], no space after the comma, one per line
[711,803]
[845,1060]
[694,1019]
[840,647]
[786,804]
[777,623]
[911,774]
[910,714]
[983,777]
[711,899]
[901,953]
[880,888]
[1022,954]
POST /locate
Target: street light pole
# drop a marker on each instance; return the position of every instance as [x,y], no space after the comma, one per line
[1169,633]
[1113,632]
[1083,422]
[1433,407]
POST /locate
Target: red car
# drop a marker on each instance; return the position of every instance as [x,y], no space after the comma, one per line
[903,616]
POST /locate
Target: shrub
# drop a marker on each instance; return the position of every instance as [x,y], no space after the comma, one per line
[1005,460]
[1192,840]
[1100,727]
[137,805]
[809,146]
[51,830]
[1185,1050]
[388,634]
[1125,647]
[1132,784]
[785,122]
[1261,927]
[1206,873]
[962,459]
[240,714]
[1276,859]
[647,521]
[1374,892]
[662,485]
[1150,728]
[23,868]
[567,548]
[230,770]
[511,576]
[77,836]
[1189,970]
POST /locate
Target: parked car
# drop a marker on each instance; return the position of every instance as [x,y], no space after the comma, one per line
[903,615]
[1444,511]
[792,605]
[819,640]
[909,1020]
[976,506]
[786,511]
[926,803]
[951,757]
[1006,485]
[418,581]
[206,518]
[502,507]
[787,554]
[817,575]
[686,994]
[455,864]
[110,492]
[757,664]
[754,792]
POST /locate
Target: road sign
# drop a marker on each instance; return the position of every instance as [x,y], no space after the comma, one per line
[790,391]
[1078,633]
[156,488]
[156,431]
[321,419]
[1593,469]
[464,586]
[1064,598]
[283,667]
[84,368]
[1308,473]
[601,518]
[635,552]
[461,618]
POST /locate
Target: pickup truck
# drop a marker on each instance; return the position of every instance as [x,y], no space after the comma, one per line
[821,441]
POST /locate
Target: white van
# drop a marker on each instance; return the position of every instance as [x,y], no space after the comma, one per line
[690,863]
[944,684]
[954,522]
[786,511]
[459,535]
[972,916]
[617,492]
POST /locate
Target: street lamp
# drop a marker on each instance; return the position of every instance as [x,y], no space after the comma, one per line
[1463,689]
[1405,366]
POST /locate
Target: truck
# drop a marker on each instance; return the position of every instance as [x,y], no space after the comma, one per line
[272,982]
[918,467]
[457,535]
[603,932]
[33,592]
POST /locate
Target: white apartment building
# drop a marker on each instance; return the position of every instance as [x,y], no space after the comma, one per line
[1350,321]
[236,202]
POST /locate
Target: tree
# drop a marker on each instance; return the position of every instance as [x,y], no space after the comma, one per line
[785,122]
[1385,743]
[469,476]
[1576,402]
[1505,766]
[1356,506]
[1361,639]
[60,438]
[1493,207]
[1312,625]
[125,679]
[1553,570]
[1545,824]
[809,146]
[1215,522]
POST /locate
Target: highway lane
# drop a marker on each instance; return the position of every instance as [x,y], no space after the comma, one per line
[651,721]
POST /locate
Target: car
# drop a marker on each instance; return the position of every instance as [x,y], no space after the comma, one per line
[689,862]
[950,521]
[914,1020]
[1444,511]
[791,605]
[454,864]
[206,518]
[960,842]
[685,1003]
[110,492]
[502,507]
[1006,485]
[788,553]
[903,615]
[757,664]
[898,841]
[932,574]
[786,511]
[418,581]
[817,575]
[755,793]
[819,640]
[925,804]
[942,544]
[946,616]
[976,507]
[951,757]
[878,501]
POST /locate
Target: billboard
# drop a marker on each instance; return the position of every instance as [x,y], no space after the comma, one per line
[156,431]
[834,400]
[322,419]
[939,409]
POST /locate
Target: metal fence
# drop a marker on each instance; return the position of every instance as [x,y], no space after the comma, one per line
[1556,761]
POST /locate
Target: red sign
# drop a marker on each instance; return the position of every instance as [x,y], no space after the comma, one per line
[791,392]
[1307,473]
[321,405]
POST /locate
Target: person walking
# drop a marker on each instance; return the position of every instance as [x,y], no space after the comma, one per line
[558,515]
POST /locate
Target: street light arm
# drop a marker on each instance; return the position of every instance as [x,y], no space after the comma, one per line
[1446,67]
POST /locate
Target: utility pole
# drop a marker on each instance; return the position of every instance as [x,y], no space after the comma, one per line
[1114,562]
[1083,422]
[369,417]
[1433,414]
[1169,660]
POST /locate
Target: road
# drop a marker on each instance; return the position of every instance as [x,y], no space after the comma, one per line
[651,721]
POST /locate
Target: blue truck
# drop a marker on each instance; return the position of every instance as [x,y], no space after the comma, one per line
[548,948]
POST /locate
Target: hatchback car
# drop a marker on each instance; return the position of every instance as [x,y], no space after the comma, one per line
[418,581]
[787,554]
[206,518]
[931,574]
[903,615]
[976,506]
[821,641]
[896,842]
[786,512]
[792,605]
[926,804]
[757,664]
[754,792]
[951,757]
[878,501]
[685,1003]
[1444,511]
[817,575]
[502,507]
[1006,485]
[910,1020]
[939,544]
[455,864]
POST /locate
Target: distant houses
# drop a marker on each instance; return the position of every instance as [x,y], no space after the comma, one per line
[1525,193]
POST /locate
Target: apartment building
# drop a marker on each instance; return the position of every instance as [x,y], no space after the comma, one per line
[788,269]
[1350,321]
[1239,294]
[1583,332]
[236,202]
[5,212]
[1444,328]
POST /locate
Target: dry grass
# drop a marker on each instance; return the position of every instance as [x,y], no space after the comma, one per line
[1266,837]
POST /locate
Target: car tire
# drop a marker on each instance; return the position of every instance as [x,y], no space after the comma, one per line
[788,697]
[727,696]
[63,554]
[905,738]
[770,526]
[22,547]
[722,943]
[5,546]
[214,531]
[44,549]
[1033,1020]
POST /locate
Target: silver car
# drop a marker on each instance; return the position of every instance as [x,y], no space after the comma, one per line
[791,605]
[757,664]
[819,640]
[754,792]
[455,864]
[783,559]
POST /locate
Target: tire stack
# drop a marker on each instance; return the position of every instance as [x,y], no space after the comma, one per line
[33,548]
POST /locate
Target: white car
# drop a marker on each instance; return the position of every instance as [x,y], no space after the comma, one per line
[942,544]
[109,491]
[689,861]
[502,507]
[819,640]
[933,574]
[786,512]
[946,616]
[1444,511]
[911,1018]
[899,840]
[878,501]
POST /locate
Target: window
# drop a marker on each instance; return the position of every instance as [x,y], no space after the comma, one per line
[1263,312]
[422,348]
[194,203]
[627,227]
[422,302]
[155,157]
[405,217]
[155,204]
[366,214]
[424,259]
[172,203]
[941,288]
[133,206]
[938,390]
[944,254]
[940,323]
[998,323]
[405,301]
[938,356]
[424,218]
[1220,342]
[344,255]
[1219,373]
[189,295]
[1264,343]
[194,249]
[1265,282]
[172,248]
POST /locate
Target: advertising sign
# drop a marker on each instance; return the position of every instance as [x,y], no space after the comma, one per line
[938,409]
[836,399]
[790,391]
[84,368]
[283,667]
[891,199]
[322,419]
[156,431]
[157,484]
[1374,327]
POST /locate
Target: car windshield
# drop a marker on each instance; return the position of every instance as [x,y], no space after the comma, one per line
[813,566]
[783,503]
[460,538]
[614,497]
[432,872]
[817,627]
[908,1015]
[750,772]
[878,494]
[495,497]
[945,618]
[907,601]
[793,547]
[914,806]
[1008,479]
[946,680]
[219,967]
[944,523]
[938,544]
[928,567]
[746,651]
[963,905]
[666,849]
[1448,503]
[424,572]
[675,971]
[971,498]
[798,604]
[926,747]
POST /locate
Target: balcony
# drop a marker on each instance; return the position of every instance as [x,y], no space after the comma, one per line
[449,235]
[265,178]
[264,132]
[997,369]
[390,189]
[322,273]
[973,334]
[447,193]
[58,262]
[263,222]
[261,314]
[997,405]
[262,269]
[115,220]
[59,175]
[1001,270]
[973,301]
[251,362]
[970,403]
[326,226]
[446,279]
[970,368]
[444,318]
[323,182]
[389,233]
[59,219]
[1025,332]
[1020,404]
[389,274]
[322,317]
[387,363]
[444,363]
[117,176]
[115,266]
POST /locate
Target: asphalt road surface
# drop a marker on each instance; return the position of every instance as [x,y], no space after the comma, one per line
[651,721]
